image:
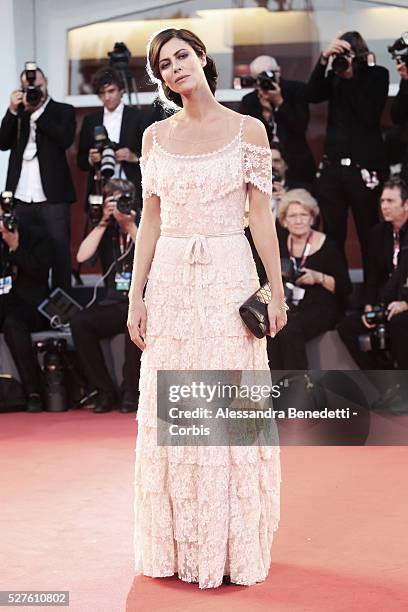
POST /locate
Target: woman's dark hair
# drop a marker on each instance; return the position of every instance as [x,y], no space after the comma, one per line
[106,76]
[357,42]
[397,183]
[153,54]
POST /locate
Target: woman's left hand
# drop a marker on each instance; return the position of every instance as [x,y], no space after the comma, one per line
[277,315]
[310,277]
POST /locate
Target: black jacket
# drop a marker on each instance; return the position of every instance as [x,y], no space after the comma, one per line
[378,286]
[55,134]
[354,114]
[399,115]
[29,264]
[292,119]
[131,132]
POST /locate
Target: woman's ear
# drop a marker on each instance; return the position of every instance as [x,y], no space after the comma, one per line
[203,60]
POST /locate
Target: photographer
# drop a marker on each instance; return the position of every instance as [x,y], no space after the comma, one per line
[386,241]
[399,108]
[124,126]
[354,161]
[38,131]
[26,256]
[113,240]
[315,278]
[281,105]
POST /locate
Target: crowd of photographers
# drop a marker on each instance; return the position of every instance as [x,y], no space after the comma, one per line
[310,204]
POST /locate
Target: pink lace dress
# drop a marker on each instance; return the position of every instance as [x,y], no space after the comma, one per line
[202,512]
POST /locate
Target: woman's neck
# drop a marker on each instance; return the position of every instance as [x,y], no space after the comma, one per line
[300,239]
[198,106]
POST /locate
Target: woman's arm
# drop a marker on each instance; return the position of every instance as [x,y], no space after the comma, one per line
[262,226]
[147,235]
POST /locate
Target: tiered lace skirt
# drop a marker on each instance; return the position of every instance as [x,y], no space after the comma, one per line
[202,512]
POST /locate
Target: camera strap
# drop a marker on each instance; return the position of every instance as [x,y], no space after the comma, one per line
[305,253]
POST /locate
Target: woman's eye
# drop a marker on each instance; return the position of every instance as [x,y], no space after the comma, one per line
[182,56]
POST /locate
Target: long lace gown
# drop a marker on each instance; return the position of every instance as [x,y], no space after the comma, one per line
[202,512]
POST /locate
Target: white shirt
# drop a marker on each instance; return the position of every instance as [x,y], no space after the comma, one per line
[112,120]
[29,187]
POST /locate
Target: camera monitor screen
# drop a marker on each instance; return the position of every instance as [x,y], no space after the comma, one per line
[59,304]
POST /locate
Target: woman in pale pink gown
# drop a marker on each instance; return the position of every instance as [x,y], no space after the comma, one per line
[201,512]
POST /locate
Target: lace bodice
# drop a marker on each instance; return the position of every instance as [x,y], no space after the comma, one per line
[206,193]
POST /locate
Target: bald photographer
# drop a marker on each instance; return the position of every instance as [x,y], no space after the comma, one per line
[282,107]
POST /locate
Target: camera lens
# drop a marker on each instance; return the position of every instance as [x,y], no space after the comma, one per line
[108,162]
[341,63]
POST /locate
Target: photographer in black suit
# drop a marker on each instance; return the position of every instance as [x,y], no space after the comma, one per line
[38,135]
[112,239]
[383,285]
[354,163]
[285,113]
[26,256]
[399,108]
[124,125]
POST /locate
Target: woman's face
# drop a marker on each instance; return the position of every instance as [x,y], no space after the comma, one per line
[180,67]
[298,220]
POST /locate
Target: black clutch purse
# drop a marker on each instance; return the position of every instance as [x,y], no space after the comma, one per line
[254,311]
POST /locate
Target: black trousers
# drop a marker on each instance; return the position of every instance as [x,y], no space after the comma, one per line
[18,320]
[56,219]
[287,351]
[351,327]
[104,321]
[339,188]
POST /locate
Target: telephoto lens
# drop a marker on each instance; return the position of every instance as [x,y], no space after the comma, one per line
[108,161]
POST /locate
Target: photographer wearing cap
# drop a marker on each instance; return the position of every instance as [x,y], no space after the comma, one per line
[26,256]
[385,291]
[124,126]
[38,131]
[112,239]
[354,162]
[281,105]
[399,107]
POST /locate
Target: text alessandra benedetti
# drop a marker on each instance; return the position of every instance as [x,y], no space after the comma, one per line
[269,413]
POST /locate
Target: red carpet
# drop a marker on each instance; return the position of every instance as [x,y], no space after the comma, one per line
[66,523]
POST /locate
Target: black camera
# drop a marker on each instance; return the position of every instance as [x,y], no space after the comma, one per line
[119,58]
[276,178]
[34,95]
[107,150]
[8,217]
[399,49]
[125,203]
[265,80]
[342,61]
[378,337]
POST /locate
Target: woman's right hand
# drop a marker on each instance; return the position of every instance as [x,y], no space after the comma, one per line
[136,323]
[337,45]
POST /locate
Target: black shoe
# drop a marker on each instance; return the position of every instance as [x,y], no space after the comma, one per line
[34,403]
[226,580]
[105,402]
[128,405]
[88,401]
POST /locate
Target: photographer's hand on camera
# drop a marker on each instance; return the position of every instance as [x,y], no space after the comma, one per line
[16,99]
[367,308]
[271,99]
[395,308]
[94,157]
[126,155]
[402,70]
[12,239]
[336,46]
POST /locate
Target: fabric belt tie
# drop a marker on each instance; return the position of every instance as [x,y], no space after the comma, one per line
[197,254]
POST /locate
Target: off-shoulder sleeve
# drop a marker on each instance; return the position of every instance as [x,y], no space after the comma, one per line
[148,167]
[257,162]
